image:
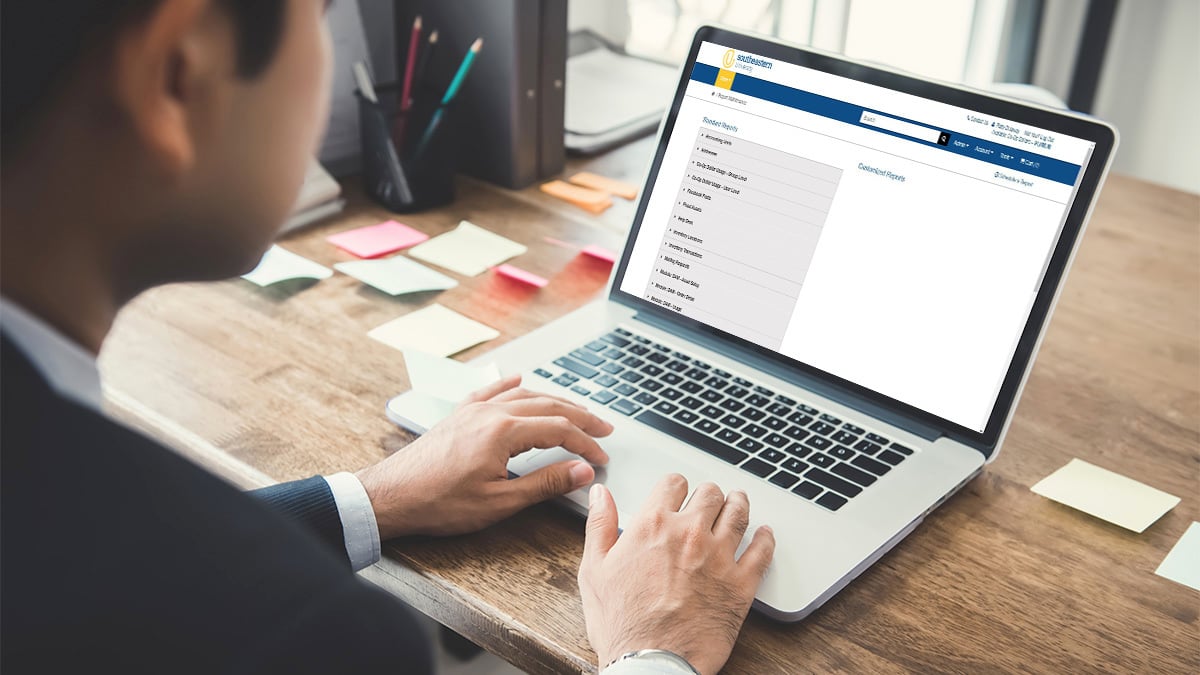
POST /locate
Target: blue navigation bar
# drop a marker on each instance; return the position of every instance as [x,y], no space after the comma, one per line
[960,144]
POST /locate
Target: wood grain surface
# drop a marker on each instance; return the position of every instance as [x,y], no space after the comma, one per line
[281,383]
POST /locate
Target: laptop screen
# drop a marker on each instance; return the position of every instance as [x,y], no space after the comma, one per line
[890,240]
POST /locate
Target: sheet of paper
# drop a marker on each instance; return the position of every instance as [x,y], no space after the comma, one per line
[1182,564]
[279,264]
[377,240]
[605,184]
[1106,495]
[396,275]
[446,379]
[434,330]
[521,276]
[468,249]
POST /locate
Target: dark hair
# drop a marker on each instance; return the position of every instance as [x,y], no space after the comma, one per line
[42,42]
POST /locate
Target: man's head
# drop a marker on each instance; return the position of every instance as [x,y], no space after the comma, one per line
[168,138]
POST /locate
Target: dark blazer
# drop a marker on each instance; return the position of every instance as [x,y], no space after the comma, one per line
[119,556]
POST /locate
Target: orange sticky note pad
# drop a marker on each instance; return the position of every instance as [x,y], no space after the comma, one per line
[521,276]
[377,240]
[587,199]
[604,184]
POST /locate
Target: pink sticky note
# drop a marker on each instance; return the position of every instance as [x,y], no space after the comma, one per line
[519,275]
[599,253]
[377,240]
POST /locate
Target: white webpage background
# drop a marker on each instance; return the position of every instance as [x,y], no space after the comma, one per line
[918,290]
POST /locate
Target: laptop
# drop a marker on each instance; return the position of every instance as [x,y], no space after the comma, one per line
[831,294]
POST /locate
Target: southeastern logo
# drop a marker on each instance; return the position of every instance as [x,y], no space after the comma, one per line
[729,58]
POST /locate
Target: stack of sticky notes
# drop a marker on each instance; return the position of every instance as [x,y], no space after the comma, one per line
[396,275]
[377,240]
[1106,495]
[592,201]
[612,186]
[468,249]
[433,330]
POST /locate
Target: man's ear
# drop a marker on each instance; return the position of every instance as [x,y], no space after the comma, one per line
[161,64]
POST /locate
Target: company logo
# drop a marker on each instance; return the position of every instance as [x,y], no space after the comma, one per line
[729,58]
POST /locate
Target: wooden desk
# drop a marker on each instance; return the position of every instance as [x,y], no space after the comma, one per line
[283,383]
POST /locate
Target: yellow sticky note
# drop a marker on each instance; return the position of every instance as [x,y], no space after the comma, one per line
[433,330]
[1106,495]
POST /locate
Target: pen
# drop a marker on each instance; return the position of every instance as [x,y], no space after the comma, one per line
[451,92]
[425,57]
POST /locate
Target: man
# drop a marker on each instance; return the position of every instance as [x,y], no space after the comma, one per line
[152,141]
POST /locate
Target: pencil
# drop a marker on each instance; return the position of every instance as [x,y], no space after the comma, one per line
[425,57]
[463,69]
[409,65]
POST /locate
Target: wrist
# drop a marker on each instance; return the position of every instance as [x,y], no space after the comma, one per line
[385,503]
[656,656]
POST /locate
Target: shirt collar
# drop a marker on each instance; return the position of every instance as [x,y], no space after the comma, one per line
[69,369]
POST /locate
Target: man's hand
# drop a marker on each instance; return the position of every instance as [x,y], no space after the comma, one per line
[670,581]
[454,479]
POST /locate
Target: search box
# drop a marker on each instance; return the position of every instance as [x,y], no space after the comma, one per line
[900,126]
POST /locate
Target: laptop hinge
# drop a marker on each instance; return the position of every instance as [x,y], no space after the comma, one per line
[793,375]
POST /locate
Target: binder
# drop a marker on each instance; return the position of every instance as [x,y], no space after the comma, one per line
[511,107]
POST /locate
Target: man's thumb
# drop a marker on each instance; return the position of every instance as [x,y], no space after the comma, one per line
[601,521]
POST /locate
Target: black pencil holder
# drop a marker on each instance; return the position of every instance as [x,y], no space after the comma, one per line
[418,173]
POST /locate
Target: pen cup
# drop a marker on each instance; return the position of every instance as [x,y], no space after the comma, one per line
[418,173]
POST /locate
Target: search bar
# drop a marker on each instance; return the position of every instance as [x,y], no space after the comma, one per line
[900,126]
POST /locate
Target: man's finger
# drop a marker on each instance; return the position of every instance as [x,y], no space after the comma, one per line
[706,504]
[733,519]
[601,522]
[552,432]
[492,390]
[549,406]
[550,481]
[757,557]
[668,494]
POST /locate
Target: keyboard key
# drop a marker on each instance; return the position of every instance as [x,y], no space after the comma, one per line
[772,455]
[677,366]
[691,387]
[542,372]
[797,433]
[632,362]
[729,436]
[876,438]
[612,368]
[754,414]
[841,452]
[831,419]
[823,461]
[712,412]
[604,397]
[652,385]
[666,407]
[732,405]
[785,400]
[597,345]
[645,398]
[876,467]
[622,331]
[651,370]
[758,401]
[900,449]
[671,394]
[774,424]
[617,340]
[822,428]
[866,446]
[800,418]
[632,376]
[846,471]
[588,357]
[763,391]
[626,407]
[662,348]
[741,381]
[626,390]
[853,429]
[890,457]
[838,485]
[605,381]
[671,378]
[795,466]
[681,356]
[784,479]
[716,383]
[565,380]
[754,431]
[582,391]
[697,373]
[732,421]
[758,467]
[639,350]
[775,440]
[685,416]
[701,365]
[641,339]
[807,489]
[658,357]
[808,409]
[736,392]
[692,403]
[819,442]
[798,450]
[711,396]
[779,409]
[688,435]
[721,373]
[707,426]
[584,371]
[750,445]
[845,437]
[614,353]
[831,501]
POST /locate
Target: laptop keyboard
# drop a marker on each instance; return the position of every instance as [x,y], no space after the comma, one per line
[789,444]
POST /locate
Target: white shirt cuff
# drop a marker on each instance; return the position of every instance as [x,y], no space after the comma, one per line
[360,531]
[645,666]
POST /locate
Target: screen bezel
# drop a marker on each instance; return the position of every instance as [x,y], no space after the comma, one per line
[1067,124]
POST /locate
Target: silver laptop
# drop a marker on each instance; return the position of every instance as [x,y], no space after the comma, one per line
[831,295]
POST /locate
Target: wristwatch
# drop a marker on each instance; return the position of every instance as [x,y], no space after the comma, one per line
[655,655]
